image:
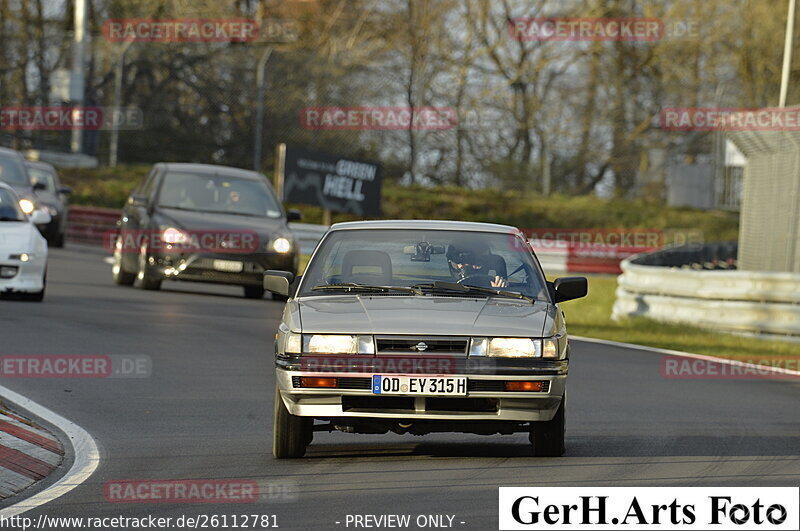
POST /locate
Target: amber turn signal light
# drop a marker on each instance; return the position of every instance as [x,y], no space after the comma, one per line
[309,381]
[524,386]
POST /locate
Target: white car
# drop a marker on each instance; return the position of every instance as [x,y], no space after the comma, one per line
[23,250]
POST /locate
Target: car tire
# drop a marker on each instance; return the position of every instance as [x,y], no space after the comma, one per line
[253,292]
[118,273]
[57,241]
[290,434]
[549,437]
[144,277]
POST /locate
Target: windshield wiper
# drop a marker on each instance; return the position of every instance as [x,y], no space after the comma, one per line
[466,288]
[352,286]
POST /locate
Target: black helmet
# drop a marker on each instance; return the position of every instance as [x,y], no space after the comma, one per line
[470,253]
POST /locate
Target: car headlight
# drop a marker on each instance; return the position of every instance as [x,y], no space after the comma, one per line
[550,348]
[294,343]
[173,236]
[27,206]
[514,347]
[282,245]
[22,257]
[338,344]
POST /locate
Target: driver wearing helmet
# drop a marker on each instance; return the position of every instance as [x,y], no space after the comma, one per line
[468,266]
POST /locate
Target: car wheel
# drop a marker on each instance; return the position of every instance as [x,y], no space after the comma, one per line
[144,277]
[120,276]
[290,434]
[253,292]
[548,437]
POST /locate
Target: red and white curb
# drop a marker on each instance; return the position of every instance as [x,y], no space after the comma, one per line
[86,456]
[28,453]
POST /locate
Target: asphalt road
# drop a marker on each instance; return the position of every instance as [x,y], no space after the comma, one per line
[206,413]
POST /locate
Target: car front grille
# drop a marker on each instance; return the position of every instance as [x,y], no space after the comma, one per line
[421,345]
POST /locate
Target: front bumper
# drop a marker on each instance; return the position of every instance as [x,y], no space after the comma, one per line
[29,277]
[202,268]
[485,399]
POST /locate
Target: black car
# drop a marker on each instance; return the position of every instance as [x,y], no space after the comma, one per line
[203,223]
[50,195]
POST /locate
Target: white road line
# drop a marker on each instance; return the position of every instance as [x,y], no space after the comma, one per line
[724,361]
[87,456]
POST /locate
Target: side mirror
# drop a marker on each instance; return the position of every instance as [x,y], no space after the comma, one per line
[138,200]
[40,217]
[38,186]
[278,282]
[569,288]
[293,215]
[66,190]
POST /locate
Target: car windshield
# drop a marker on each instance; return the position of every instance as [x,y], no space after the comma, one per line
[9,207]
[12,171]
[430,260]
[39,175]
[218,193]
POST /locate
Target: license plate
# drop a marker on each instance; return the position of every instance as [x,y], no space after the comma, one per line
[418,385]
[229,266]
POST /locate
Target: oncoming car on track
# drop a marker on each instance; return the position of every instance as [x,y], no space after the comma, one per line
[419,327]
[51,196]
[23,250]
[203,223]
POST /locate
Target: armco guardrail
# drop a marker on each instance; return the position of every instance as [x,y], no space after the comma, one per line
[91,224]
[729,301]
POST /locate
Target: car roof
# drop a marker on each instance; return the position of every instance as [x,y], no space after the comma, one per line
[11,152]
[417,224]
[40,165]
[210,169]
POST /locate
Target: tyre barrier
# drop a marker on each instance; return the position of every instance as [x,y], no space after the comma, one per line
[698,285]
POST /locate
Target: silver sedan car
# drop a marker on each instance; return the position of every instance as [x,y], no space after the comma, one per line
[419,327]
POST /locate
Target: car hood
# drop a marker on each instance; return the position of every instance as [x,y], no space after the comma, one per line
[49,198]
[428,315]
[188,220]
[22,190]
[16,237]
